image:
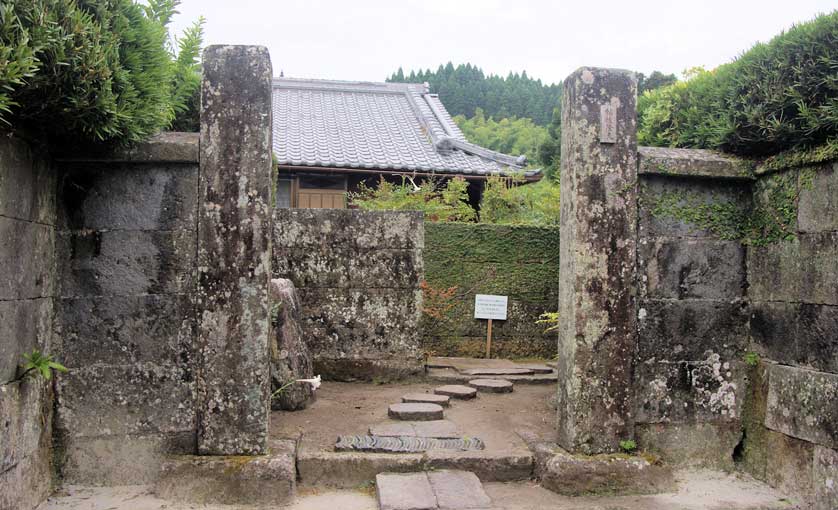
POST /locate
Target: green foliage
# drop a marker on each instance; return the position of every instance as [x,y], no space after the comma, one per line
[724,219]
[509,135]
[774,216]
[628,445]
[507,202]
[796,158]
[440,201]
[465,88]
[89,70]
[655,80]
[38,364]
[778,96]
[550,151]
[186,78]
[751,359]
[549,319]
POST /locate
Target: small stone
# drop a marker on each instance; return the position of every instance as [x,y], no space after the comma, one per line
[499,371]
[458,490]
[415,412]
[410,491]
[491,385]
[426,398]
[456,391]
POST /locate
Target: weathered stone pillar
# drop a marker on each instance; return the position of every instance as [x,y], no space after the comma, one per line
[598,230]
[234,229]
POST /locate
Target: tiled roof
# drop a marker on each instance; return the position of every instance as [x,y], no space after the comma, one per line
[383,126]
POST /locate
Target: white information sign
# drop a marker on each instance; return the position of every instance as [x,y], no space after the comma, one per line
[490,307]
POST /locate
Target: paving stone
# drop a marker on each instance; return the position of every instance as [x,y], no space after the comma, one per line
[539,369]
[442,429]
[406,444]
[458,490]
[415,412]
[426,398]
[491,385]
[499,371]
[394,429]
[456,391]
[409,491]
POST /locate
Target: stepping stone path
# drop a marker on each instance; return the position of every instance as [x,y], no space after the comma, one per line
[427,398]
[456,391]
[444,490]
[415,412]
[539,369]
[440,429]
[491,385]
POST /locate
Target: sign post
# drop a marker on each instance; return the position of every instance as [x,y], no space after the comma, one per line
[490,308]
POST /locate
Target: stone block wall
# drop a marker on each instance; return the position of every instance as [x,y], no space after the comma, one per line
[521,262]
[692,309]
[125,322]
[357,274]
[791,428]
[27,287]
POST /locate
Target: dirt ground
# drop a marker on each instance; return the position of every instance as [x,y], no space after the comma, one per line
[699,490]
[351,408]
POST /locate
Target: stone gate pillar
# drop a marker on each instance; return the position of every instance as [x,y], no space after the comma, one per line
[234,228]
[597,333]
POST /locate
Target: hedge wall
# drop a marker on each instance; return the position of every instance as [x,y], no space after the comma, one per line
[777,96]
[519,261]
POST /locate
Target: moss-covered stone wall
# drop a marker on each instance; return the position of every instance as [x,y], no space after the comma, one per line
[521,262]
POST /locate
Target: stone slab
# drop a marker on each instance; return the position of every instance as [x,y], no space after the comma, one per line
[336,228]
[600,475]
[405,444]
[438,428]
[499,371]
[415,412]
[456,391]
[699,163]
[404,491]
[234,250]
[458,490]
[818,206]
[349,470]
[825,478]
[540,369]
[491,385]
[232,480]
[489,466]
[801,404]
[427,398]
[33,275]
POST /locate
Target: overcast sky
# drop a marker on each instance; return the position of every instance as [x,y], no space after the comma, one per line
[369,39]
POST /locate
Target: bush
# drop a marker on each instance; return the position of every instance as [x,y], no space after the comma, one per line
[88,70]
[777,96]
[440,201]
[507,202]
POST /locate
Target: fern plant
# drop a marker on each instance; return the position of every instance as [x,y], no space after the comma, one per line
[38,364]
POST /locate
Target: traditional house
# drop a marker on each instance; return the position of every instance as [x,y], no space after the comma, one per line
[329,136]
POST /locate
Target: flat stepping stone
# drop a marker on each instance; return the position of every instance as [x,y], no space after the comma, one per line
[427,398]
[456,391]
[499,371]
[440,429]
[491,385]
[434,490]
[415,412]
[405,444]
[539,369]
[408,491]
[457,490]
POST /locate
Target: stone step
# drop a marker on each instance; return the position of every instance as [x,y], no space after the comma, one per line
[456,391]
[427,398]
[415,412]
[348,470]
[499,371]
[263,480]
[453,377]
[491,385]
[440,429]
[444,490]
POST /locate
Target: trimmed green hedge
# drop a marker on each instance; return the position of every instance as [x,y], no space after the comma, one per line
[777,96]
[82,71]
[521,262]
